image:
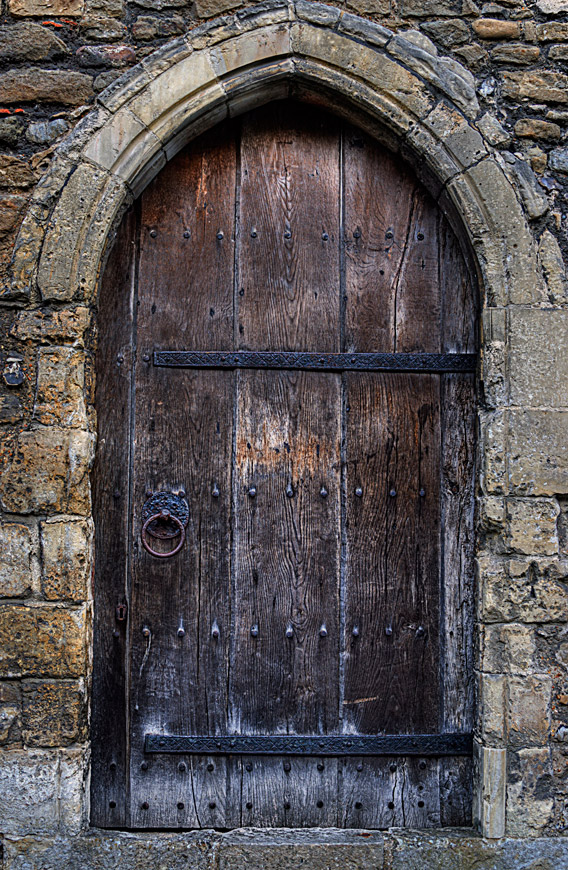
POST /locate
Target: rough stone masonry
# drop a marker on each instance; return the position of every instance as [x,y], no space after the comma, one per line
[489,81]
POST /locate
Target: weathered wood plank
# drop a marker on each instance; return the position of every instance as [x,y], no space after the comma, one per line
[110,512]
[289,225]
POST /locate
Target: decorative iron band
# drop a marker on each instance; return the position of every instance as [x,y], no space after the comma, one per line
[432,363]
[389,744]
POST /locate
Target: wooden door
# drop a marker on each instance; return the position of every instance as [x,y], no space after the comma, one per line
[286,356]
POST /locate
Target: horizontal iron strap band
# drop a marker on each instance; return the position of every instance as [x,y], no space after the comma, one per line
[432,363]
[389,744]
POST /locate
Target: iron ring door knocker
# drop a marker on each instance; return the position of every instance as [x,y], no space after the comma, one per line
[162,511]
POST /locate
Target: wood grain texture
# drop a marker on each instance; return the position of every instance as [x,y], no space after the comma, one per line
[393,574]
[289,273]
[110,513]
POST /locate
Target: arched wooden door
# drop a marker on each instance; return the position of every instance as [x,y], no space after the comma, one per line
[286,357]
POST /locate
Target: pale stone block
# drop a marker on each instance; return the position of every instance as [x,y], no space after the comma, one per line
[72,790]
[43,325]
[373,67]
[122,132]
[490,790]
[267,43]
[539,362]
[552,264]
[41,8]
[494,452]
[60,391]
[507,649]
[528,591]
[29,791]
[463,142]
[66,551]
[18,561]
[41,642]
[533,526]
[492,707]
[538,463]
[115,197]
[529,710]
[530,800]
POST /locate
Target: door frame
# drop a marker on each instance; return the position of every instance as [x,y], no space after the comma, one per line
[419,106]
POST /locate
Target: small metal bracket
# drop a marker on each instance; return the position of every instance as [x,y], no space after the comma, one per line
[13,372]
[166,501]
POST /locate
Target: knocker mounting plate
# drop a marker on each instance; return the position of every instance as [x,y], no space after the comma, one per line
[165,516]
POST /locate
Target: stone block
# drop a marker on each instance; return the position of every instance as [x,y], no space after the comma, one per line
[48,473]
[517,54]
[66,562]
[387,76]
[118,145]
[545,86]
[15,172]
[45,86]
[493,28]
[530,800]
[448,32]
[529,710]
[60,390]
[368,31]
[210,8]
[18,566]
[494,452]
[41,642]
[552,31]
[538,462]
[10,712]
[46,326]
[106,55]
[251,48]
[46,132]
[11,131]
[492,707]
[430,8]
[73,778]
[11,410]
[489,795]
[464,850]
[552,265]
[11,208]
[462,140]
[507,649]
[43,8]
[102,29]
[53,713]
[530,590]
[538,364]
[534,128]
[29,791]
[533,526]
[30,42]
[288,850]
[148,27]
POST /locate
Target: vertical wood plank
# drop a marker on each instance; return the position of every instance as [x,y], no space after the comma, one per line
[110,512]
[289,256]
[393,572]
[183,437]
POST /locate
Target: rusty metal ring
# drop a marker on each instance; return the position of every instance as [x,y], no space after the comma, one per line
[163,515]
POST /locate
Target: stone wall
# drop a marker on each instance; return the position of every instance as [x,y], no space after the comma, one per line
[486,90]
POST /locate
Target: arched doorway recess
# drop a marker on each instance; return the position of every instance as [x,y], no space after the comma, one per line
[287,339]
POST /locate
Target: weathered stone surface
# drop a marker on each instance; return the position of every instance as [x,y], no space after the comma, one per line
[529,710]
[508,649]
[493,28]
[112,8]
[490,791]
[44,325]
[544,86]
[29,41]
[18,572]
[45,85]
[493,452]
[430,8]
[492,712]
[66,564]
[46,132]
[103,29]
[41,642]
[539,452]
[106,78]
[532,526]
[553,267]
[73,785]
[49,472]
[11,130]
[10,712]
[558,160]
[540,364]
[11,410]
[53,713]
[339,850]
[516,55]
[552,7]
[474,56]
[11,208]
[552,31]
[40,8]
[106,55]
[529,793]
[15,172]
[460,850]
[210,8]
[148,27]
[530,590]
[60,399]
[558,52]
[29,791]
[534,128]
[531,193]
[493,130]
[449,32]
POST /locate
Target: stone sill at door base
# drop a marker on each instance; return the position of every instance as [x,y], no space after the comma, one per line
[284,849]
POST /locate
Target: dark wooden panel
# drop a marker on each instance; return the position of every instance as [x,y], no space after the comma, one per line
[459,294]
[392,572]
[286,578]
[392,284]
[110,511]
[289,273]
[183,438]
